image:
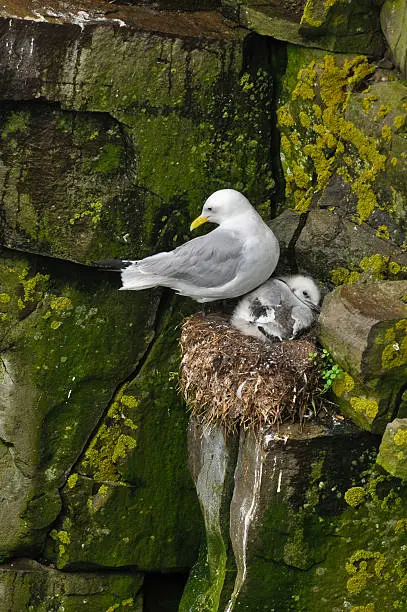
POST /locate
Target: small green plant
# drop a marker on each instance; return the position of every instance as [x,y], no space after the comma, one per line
[329,370]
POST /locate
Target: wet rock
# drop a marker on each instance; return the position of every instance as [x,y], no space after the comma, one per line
[26,583]
[335,26]
[393,449]
[212,457]
[130,500]
[393,22]
[364,327]
[338,150]
[305,528]
[118,129]
[344,27]
[331,248]
[58,376]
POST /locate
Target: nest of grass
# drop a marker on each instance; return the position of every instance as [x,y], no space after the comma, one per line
[239,381]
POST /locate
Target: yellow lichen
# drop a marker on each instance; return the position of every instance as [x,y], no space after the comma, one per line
[387,133]
[72,480]
[400,437]
[383,111]
[365,406]
[383,232]
[61,303]
[401,526]
[355,496]
[343,385]
[399,121]
[330,140]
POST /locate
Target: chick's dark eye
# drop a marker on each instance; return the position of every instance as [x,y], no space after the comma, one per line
[209,208]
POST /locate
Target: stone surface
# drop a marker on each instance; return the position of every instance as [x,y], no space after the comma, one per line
[343,136]
[393,449]
[114,129]
[364,327]
[130,501]
[335,249]
[28,585]
[311,523]
[212,456]
[393,20]
[344,27]
[57,378]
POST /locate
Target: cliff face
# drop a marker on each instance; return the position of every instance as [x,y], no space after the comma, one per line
[116,123]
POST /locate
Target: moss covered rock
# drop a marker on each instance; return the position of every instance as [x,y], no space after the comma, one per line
[139,117]
[57,378]
[393,449]
[312,523]
[342,137]
[333,25]
[28,585]
[130,500]
[364,327]
[346,27]
[393,22]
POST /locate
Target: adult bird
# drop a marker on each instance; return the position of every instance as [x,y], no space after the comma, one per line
[234,258]
[280,309]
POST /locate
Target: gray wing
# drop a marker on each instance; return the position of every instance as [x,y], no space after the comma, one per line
[303,318]
[265,301]
[207,261]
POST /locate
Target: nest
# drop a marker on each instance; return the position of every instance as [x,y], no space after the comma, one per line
[239,381]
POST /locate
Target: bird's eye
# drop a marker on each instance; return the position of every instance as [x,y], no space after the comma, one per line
[209,208]
[305,294]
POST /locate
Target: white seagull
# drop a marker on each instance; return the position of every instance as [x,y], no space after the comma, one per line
[280,309]
[228,262]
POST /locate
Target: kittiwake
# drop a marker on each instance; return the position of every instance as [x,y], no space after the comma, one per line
[280,309]
[234,258]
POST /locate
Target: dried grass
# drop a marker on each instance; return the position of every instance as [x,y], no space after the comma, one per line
[239,381]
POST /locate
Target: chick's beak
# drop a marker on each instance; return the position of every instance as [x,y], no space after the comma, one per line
[197,222]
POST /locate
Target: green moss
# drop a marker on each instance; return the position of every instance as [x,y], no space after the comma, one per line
[355,496]
[109,159]
[401,526]
[343,276]
[399,121]
[126,603]
[60,303]
[394,354]
[383,111]
[17,122]
[363,565]
[378,266]
[387,134]
[63,540]
[370,607]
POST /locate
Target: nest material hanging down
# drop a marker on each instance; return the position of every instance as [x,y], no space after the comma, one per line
[236,380]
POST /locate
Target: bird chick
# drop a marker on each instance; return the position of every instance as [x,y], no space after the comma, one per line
[280,309]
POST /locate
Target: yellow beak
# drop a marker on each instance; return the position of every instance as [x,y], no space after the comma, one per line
[197,222]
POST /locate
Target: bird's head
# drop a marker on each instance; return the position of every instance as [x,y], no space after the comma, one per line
[221,206]
[305,289]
